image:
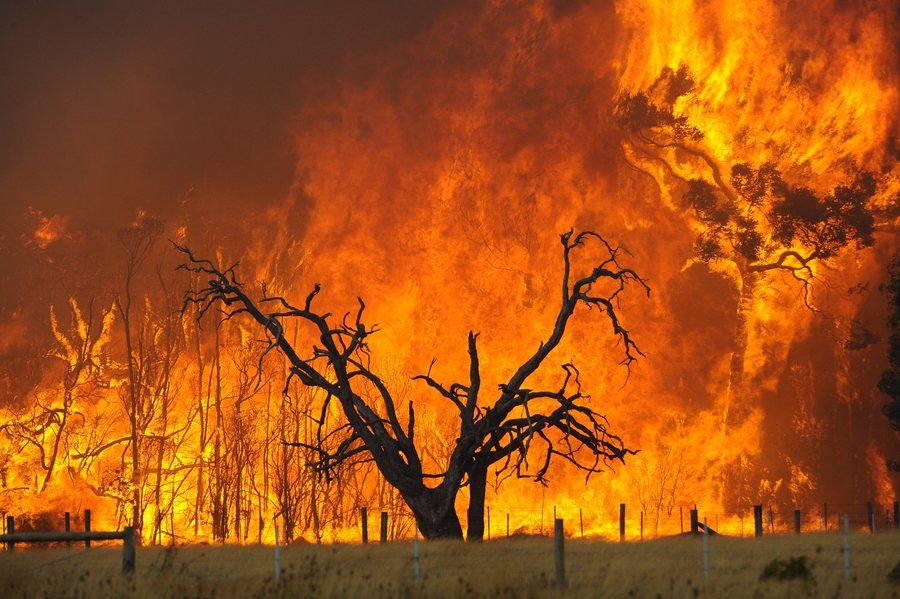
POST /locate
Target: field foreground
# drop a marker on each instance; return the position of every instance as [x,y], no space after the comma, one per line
[509,568]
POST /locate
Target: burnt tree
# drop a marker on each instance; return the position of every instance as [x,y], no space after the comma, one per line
[501,434]
[137,242]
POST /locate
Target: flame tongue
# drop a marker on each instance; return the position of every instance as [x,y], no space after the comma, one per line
[809,86]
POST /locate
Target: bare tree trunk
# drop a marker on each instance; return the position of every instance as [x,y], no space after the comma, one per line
[736,406]
[314,501]
[157,492]
[138,242]
[238,469]
[203,416]
[134,405]
[265,510]
[164,392]
[477,490]
[61,430]
[435,514]
[219,513]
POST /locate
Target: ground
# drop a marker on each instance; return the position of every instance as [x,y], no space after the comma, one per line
[506,568]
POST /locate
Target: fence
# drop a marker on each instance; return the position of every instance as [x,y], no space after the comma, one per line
[557,558]
[623,522]
[11,537]
[710,556]
[765,520]
[627,525]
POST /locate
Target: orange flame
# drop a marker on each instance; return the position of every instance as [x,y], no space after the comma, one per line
[434,188]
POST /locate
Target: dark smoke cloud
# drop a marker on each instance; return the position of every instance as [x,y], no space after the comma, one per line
[108,107]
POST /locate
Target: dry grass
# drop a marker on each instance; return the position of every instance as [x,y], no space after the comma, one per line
[514,568]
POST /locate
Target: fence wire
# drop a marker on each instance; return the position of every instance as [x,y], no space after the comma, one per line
[455,569]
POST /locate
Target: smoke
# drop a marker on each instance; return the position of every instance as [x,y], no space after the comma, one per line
[111,107]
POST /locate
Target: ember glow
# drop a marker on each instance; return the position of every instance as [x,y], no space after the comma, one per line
[744,155]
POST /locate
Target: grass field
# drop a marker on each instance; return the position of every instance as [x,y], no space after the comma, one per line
[509,568]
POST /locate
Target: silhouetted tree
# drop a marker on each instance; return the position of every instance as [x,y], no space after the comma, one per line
[137,242]
[890,379]
[521,422]
[82,346]
[752,218]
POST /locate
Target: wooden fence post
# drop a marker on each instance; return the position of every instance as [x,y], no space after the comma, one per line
[10,529]
[771,520]
[127,535]
[870,516]
[825,515]
[581,522]
[897,514]
[694,521]
[416,565]
[87,527]
[797,522]
[681,518]
[488,522]
[384,522]
[68,528]
[128,551]
[621,522]
[705,550]
[364,519]
[277,553]
[846,545]
[560,552]
[507,525]
[642,525]
[757,520]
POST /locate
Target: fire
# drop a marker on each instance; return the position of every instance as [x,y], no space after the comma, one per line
[434,188]
[808,86]
[49,229]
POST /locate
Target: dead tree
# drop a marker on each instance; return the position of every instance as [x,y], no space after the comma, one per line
[137,241]
[519,424]
[82,346]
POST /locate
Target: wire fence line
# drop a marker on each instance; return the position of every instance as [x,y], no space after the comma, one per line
[623,522]
[533,550]
[632,523]
[523,562]
[709,555]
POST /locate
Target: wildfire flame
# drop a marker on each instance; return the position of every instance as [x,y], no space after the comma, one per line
[435,188]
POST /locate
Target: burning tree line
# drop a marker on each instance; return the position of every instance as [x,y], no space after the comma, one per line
[167,418]
[208,417]
[212,432]
[213,412]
